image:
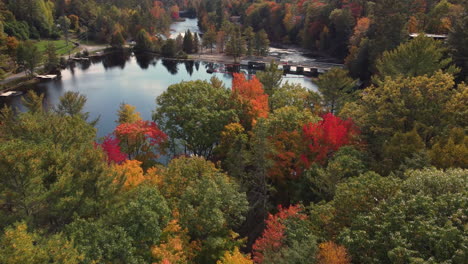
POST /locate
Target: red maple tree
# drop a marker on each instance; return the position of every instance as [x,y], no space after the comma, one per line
[139,137]
[111,147]
[326,137]
[274,234]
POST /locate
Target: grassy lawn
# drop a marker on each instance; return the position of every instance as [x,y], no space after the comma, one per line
[60,45]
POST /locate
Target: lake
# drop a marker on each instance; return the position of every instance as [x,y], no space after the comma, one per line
[125,78]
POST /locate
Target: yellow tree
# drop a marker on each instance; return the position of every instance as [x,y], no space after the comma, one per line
[235,257]
[331,253]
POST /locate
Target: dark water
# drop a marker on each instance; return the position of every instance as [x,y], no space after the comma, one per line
[118,78]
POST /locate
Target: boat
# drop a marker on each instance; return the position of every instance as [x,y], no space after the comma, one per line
[11,93]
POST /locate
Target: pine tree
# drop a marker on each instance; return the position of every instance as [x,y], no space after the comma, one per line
[187,45]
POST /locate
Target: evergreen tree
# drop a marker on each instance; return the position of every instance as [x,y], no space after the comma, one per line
[52,59]
[209,38]
[458,41]
[235,46]
[262,43]
[250,40]
[187,45]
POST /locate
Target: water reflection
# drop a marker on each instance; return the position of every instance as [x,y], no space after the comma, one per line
[144,60]
[172,66]
[116,59]
[120,77]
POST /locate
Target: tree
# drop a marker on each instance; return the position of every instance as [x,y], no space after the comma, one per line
[234,258]
[326,137]
[111,146]
[169,49]
[72,104]
[52,175]
[209,38]
[271,78]
[235,46]
[420,56]
[17,246]
[52,60]
[413,224]
[331,253]
[250,40]
[251,97]
[141,140]
[127,114]
[458,41]
[293,95]
[117,40]
[196,42]
[189,111]
[65,24]
[262,43]
[336,88]
[210,204]
[188,45]
[285,239]
[143,41]
[29,56]
[404,104]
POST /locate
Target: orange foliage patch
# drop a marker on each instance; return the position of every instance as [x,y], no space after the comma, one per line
[331,253]
[251,94]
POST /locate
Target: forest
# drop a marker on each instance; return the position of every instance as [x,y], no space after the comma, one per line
[371,168]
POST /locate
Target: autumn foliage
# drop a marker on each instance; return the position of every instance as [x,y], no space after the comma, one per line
[251,95]
[326,137]
[331,253]
[140,137]
[111,147]
[274,234]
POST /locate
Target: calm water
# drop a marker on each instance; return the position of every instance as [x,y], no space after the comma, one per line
[118,78]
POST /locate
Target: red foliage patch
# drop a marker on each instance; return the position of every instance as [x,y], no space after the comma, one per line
[111,147]
[274,233]
[326,137]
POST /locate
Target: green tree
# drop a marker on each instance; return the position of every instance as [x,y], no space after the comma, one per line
[293,95]
[143,41]
[250,40]
[262,43]
[193,114]
[209,38]
[72,104]
[117,40]
[458,41]
[29,56]
[420,56]
[336,87]
[51,170]
[52,60]
[421,223]
[188,45]
[209,202]
[271,78]
[235,46]
[17,246]
[429,104]
[65,24]
[169,49]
